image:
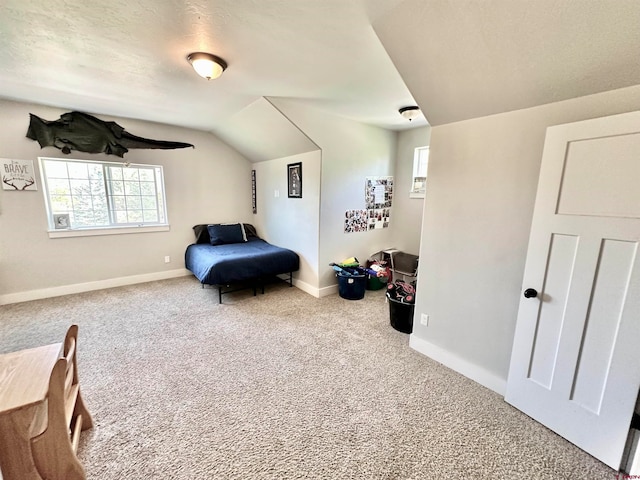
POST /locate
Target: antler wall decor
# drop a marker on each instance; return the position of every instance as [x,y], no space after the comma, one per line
[17,175]
[11,182]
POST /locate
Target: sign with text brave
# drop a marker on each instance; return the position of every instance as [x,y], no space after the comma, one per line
[18,175]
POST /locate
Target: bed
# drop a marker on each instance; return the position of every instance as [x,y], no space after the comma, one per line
[232,257]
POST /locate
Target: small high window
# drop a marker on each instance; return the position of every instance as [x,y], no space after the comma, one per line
[84,194]
[419,179]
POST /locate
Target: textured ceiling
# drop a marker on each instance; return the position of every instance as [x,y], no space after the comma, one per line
[127,58]
[247,133]
[457,59]
[463,59]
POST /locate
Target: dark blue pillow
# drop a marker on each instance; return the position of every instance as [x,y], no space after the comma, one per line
[222,234]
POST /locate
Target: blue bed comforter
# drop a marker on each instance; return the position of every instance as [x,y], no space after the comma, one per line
[238,262]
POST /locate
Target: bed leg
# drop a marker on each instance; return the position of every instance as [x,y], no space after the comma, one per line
[291,279]
[220,294]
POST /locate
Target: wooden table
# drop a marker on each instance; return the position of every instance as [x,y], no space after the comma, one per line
[24,385]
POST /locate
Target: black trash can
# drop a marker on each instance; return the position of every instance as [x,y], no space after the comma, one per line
[351,287]
[401,315]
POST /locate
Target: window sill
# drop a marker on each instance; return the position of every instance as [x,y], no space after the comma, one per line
[91,232]
[416,195]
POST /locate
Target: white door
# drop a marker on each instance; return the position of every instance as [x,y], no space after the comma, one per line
[575,364]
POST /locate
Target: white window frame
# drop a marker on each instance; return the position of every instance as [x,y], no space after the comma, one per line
[419,176]
[113,222]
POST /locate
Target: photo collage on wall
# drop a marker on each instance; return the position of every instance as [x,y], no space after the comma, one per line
[378,200]
[355,221]
[378,197]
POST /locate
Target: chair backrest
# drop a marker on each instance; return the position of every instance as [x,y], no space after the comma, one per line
[69,352]
[54,450]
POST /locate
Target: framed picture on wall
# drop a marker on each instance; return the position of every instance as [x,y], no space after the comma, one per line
[61,221]
[18,175]
[294,172]
[253,192]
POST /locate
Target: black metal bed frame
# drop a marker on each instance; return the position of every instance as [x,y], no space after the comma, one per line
[255,283]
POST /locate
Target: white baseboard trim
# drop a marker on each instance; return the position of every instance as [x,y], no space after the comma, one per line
[326,291]
[304,286]
[90,286]
[460,365]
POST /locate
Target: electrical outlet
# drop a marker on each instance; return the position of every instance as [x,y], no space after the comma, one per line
[276,193]
[424,319]
[167,259]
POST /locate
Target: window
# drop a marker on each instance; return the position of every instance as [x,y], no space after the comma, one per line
[102,195]
[419,179]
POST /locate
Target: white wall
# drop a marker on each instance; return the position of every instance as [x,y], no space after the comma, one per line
[210,183]
[351,151]
[483,175]
[407,219]
[291,222]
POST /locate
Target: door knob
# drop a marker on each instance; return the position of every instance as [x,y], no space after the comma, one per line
[530,293]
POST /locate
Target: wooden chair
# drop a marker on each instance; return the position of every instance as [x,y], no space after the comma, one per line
[54,451]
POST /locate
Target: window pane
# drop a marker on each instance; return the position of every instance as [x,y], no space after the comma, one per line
[422,162]
[61,204]
[59,187]
[419,183]
[78,170]
[101,218]
[133,194]
[96,172]
[150,216]
[149,203]
[117,187]
[135,216]
[146,175]
[147,188]
[134,203]
[80,187]
[132,188]
[119,202]
[56,169]
[420,166]
[130,174]
[82,202]
[97,187]
[100,205]
[121,217]
[115,173]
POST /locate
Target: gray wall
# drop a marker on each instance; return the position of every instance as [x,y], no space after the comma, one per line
[295,222]
[210,183]
[351,151]
[292,222]
[407,221]
[483,175]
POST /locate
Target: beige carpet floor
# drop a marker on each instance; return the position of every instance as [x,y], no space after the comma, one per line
[278,386]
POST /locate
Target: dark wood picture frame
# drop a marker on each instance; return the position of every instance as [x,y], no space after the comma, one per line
[254,199]
[294,177]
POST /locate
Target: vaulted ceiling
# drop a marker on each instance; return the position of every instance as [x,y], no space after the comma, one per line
[127,58]
[361,59]
[464,59]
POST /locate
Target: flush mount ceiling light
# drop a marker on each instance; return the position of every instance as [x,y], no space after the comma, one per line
[206,65]
[409,112]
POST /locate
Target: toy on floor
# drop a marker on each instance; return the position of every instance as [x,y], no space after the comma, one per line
[402,291]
